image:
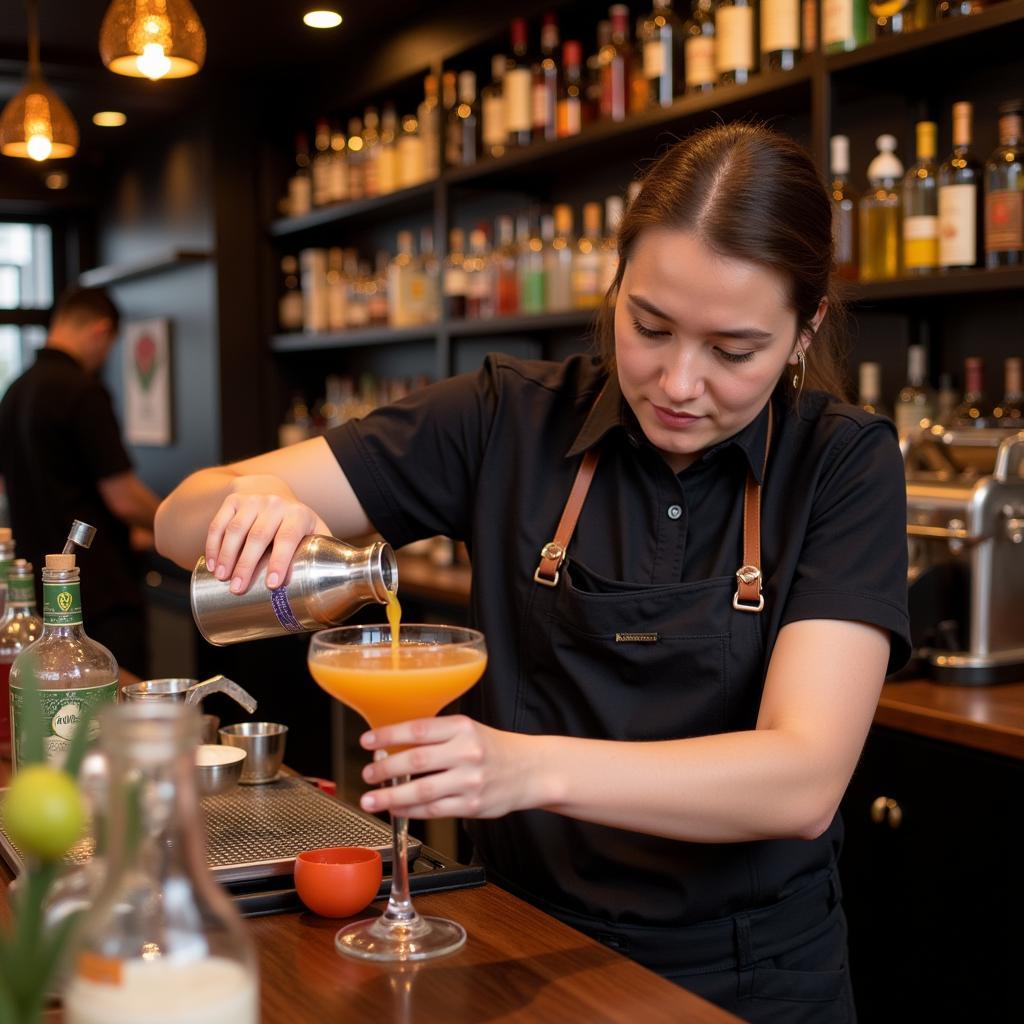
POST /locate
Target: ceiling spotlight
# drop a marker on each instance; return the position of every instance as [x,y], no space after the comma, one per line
[109,118]
[322,19]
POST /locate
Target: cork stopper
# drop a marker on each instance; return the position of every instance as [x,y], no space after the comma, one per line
[60,563]
[6,536]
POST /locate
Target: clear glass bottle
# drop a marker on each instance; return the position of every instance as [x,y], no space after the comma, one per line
[920,201]
[337,290]
[403,305]
[73,673]
[321,162]
[19,627]
[455,275]
[462,138]
[559,262]
[846,25]
[869,392]
[780,34]
[532,277]
[357,312]
[337,177]
[974,409]
[376,290]
[387,151]
[569,108]
[699,51]
[915,405]
[960,198]
[493,129]
[844,209]
[586,264]
[879,215]
[613,209]
[429,117]
[519,88]
[411,154]
[161,933]
[1004,192]
[946,400]
[546,75]
[480,289]
[660,37]
[428,268]
[1009,412]
[506,277]
[593,107]
[300,184]
[371,153]
[355,159]
[617,66]
[734,41]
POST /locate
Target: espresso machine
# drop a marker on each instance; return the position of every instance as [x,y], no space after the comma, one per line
[965,532]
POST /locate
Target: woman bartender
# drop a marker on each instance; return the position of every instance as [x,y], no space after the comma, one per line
[689,562]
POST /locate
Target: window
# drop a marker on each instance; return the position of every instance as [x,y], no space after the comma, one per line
[26,294]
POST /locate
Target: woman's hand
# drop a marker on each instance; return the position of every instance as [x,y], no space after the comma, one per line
[249,522]
[465,769]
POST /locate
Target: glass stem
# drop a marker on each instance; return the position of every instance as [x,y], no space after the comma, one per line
[400,909]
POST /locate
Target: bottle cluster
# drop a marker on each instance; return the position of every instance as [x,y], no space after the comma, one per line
[953,215]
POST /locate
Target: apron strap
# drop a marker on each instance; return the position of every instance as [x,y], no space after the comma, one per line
[748,596]
[553,553]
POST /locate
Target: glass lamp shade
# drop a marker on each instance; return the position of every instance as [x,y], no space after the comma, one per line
[37,124]
[152,39]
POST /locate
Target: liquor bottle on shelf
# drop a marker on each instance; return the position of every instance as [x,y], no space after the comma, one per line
[429,118]
[480,290]
[879,215]
[613,208]
[1010,410]
[455,275]
[920,202]
[545,82]
[429,268]
[504,259]
[558,265]
[960,198]
[946,400]
[411,153]
[357,306]
[1004,192]
[660,37]
[915,405]
[322,163]
[494,131]
[532,277]
[844,209]
[337,173]
[387,151]
[404,297]
[569,108]
[462,139]
[376,290]
[594,92]
[699,50]
[371,153]
[780,34]
[869,392]
[640,98]
[313,263]
[289,306]
[355,159]
[19,627]
[845,25]
[809,26]
[959,8]
[974,409]
[617,66]
[586,263]
[734,41]
[300,184]
[519,88]
[337,289]
[73,673]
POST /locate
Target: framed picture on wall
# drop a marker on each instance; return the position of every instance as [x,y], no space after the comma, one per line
[148,403]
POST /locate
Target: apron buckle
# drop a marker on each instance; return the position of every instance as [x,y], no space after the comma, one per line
[551,552]
[748,575]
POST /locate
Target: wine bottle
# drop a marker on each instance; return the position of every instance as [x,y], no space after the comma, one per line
[921,206]
[960,198]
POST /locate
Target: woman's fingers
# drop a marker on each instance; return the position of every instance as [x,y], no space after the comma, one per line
[262,531]
[417,732]
[215,536]
[235,532]
[435,793]
[296,523]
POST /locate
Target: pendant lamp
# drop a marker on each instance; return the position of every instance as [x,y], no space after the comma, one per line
[152,39]
[36,123]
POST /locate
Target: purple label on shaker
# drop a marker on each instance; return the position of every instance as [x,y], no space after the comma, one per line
[283,610]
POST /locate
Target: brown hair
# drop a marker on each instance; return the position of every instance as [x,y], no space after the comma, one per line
[748,193]
[86,306]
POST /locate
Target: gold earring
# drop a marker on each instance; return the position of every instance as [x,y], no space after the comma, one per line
[801,373]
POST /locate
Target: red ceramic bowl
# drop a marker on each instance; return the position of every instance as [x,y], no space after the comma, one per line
[339,881]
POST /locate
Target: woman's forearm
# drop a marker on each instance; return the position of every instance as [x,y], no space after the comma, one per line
[733,787]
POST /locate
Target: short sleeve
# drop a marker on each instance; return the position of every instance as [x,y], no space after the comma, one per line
[414,465]
[99,434]
[853,563]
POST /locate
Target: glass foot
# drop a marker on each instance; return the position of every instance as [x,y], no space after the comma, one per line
[418,939]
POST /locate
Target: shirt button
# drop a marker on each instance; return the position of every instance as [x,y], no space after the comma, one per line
[674,511]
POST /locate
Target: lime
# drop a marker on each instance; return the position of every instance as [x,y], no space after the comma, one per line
[43,812]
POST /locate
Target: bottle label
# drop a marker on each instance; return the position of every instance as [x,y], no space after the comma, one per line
[700,61]
[61,712]
[958,227]
[810,25]
[540,104]
[838,21]
[570,117]
[494,130]
[62,604]
[21,591]
[921,242]
[5,568]
[1004,220]
[454,281]
[654,58]
[735,39]
[283,610]
[780,25]
[518,89]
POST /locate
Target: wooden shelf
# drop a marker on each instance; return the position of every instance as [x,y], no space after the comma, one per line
[964,282]
[394,204]
[101,277]
[573,320]
[308,342]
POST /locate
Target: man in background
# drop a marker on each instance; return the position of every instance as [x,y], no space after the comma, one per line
[62,458]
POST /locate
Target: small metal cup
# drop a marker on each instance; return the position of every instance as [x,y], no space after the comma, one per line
[263,743]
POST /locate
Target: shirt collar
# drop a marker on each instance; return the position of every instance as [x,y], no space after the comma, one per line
[610,410]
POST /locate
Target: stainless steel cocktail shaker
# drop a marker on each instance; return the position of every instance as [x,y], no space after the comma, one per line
[328,581]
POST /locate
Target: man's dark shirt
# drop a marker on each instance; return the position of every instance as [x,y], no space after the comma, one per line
[58,438]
